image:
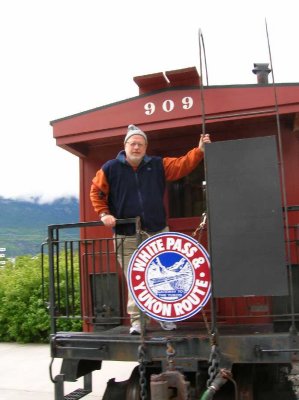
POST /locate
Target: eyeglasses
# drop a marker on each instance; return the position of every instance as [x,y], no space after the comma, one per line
[135,144]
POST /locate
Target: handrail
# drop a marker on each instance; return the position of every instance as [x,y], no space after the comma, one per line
[92,223]
[53,240]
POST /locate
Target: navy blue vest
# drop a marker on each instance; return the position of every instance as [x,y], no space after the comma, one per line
[136,193]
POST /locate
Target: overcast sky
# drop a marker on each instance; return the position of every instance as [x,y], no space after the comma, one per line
[60,57]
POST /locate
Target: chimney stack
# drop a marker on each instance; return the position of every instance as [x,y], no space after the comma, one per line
[261,70]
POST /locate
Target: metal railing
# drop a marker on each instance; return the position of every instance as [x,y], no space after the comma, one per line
[86,284]
[84,279]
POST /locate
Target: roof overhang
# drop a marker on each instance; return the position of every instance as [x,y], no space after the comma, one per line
[173,107]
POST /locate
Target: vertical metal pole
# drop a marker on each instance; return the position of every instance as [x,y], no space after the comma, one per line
[51,242]
[138,242]
[81,271]
[284,196]
[87,379]
[43,272]
[213,300]
[67,308]
[202,101]
[72,278]
[59,387]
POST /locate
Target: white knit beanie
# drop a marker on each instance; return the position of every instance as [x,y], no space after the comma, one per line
[134,130]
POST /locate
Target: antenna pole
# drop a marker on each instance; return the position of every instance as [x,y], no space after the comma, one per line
[284,196]
[203,113]
[202,101]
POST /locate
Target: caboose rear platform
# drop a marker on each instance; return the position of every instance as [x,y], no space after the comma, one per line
[243,349]
[252,337]
[243,344]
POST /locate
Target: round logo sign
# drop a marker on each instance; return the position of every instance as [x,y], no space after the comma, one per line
[169,276]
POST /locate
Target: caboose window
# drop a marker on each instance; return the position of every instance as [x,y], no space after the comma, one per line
[186,197]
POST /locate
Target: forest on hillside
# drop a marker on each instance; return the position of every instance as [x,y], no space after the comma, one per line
[24,224]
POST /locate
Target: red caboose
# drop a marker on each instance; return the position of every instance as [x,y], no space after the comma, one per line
[248,188]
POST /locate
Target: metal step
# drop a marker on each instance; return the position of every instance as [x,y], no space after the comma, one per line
[77,394]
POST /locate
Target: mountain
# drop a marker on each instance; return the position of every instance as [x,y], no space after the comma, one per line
[23,224]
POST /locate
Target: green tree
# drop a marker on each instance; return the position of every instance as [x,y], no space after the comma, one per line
[23,314]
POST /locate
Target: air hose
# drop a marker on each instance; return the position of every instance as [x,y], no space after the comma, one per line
[221,378]
[208,394]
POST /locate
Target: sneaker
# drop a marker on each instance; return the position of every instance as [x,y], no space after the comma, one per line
[168,326]
[135,329]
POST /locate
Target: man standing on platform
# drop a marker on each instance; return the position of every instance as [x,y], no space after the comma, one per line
[133,185]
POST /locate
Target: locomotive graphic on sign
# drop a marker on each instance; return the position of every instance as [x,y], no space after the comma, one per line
[169,276]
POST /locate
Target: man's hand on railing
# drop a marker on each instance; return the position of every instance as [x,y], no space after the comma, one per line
[108,220]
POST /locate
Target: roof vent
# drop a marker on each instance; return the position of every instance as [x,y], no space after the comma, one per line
[261,70]
[169,79]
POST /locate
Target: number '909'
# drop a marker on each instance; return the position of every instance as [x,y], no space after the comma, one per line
[168,105]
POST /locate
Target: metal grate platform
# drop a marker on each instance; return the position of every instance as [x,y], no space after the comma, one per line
[77,394]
